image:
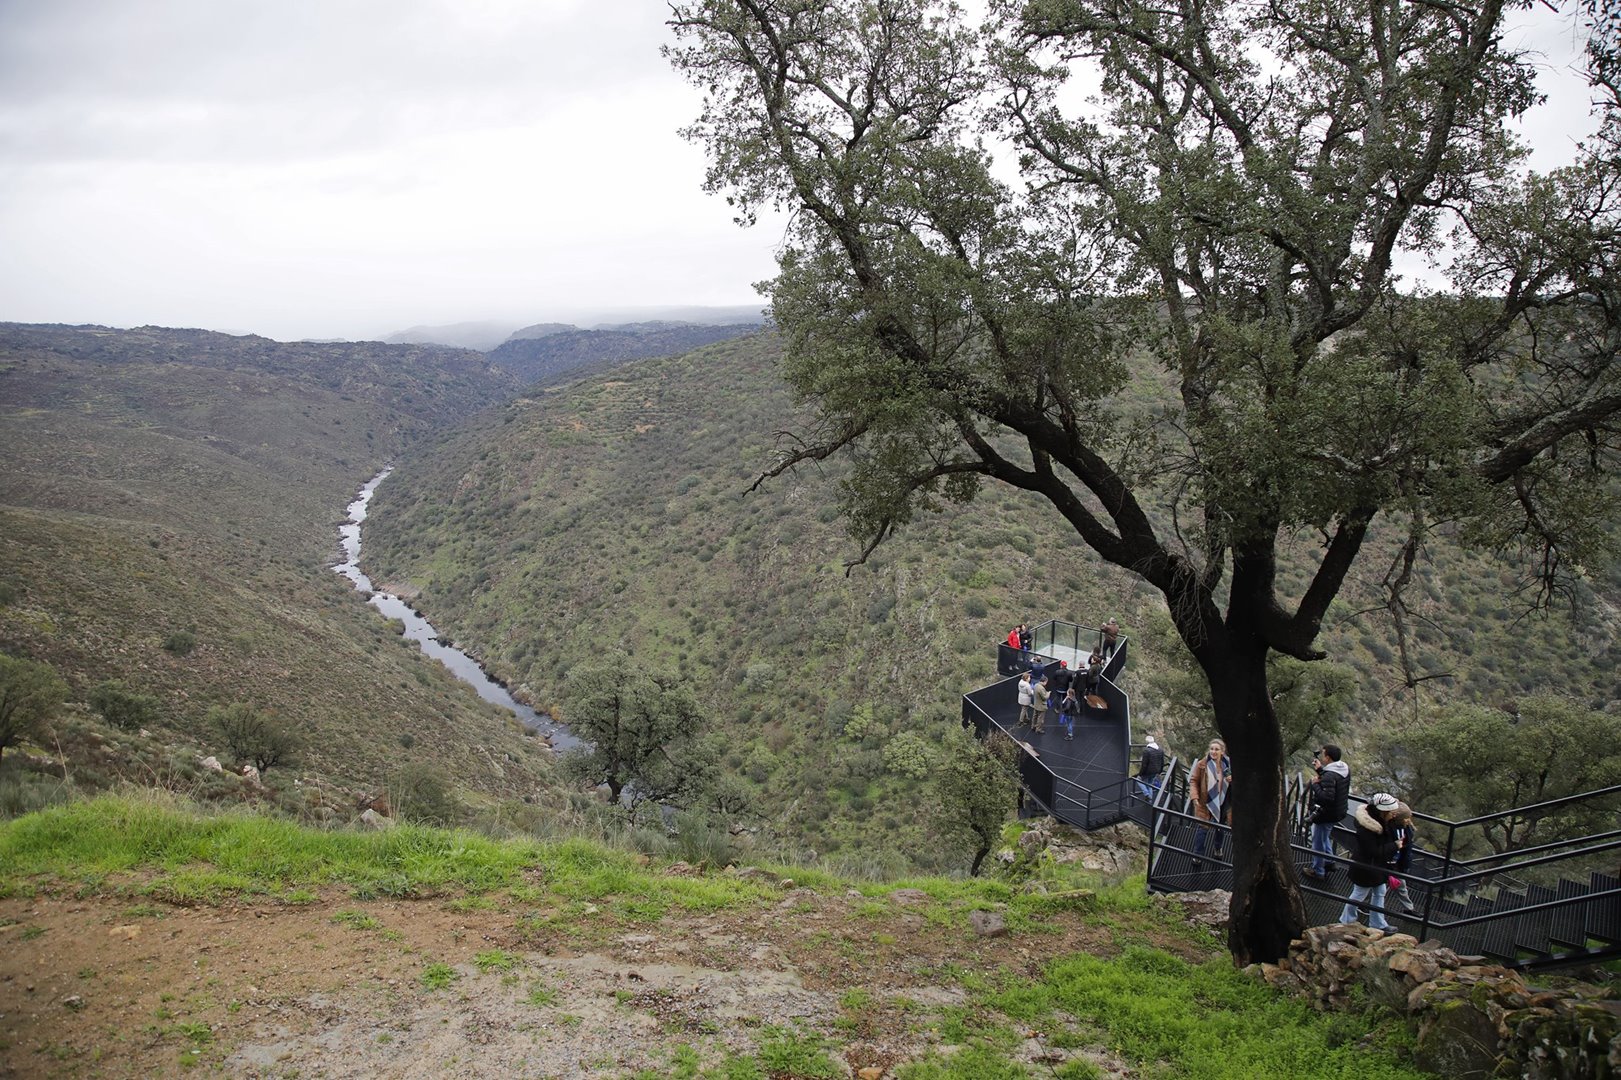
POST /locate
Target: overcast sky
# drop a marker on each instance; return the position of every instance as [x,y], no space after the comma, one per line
[348,168]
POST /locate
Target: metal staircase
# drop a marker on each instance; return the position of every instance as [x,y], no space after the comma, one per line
[1551,905]
[1539,907]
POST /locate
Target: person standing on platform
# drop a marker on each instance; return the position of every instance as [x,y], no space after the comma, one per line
[1068,709]
[1094,672]
[1038,704]
[1027,691]
[1111,637]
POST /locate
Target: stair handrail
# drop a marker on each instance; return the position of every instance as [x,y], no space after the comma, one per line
[1613,834]
[1614,789]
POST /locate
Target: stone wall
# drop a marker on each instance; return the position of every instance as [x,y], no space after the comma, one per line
[1474,1020]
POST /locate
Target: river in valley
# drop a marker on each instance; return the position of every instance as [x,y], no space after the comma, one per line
[419,630]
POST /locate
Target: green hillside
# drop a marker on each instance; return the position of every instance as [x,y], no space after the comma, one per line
[609,518]
[163,482]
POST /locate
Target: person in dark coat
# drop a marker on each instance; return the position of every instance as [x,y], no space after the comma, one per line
[1068,709]
[1151,769]
[1330,802]
[1094,672]
[1374,848]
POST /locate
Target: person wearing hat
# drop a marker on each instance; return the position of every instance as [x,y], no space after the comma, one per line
[1151,770]
[1373,849]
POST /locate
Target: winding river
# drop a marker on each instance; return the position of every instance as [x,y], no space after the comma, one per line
[419,630]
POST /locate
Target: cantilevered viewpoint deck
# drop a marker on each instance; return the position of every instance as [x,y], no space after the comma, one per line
[1082,781]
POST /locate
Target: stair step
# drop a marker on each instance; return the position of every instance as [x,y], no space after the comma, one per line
[1501,931]
[1604,913]
[1533,932]
[1569,923]
[1466,940]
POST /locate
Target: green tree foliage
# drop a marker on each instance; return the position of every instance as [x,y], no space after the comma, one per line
[123,708]
[254,737]
[180,642]
[909,755]
[1184,331]
[30,694]
[645,731]
[419,792]
[1466,761]
[975,786]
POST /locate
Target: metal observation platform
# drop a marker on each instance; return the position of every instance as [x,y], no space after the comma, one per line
[1081,781]
[1556,904]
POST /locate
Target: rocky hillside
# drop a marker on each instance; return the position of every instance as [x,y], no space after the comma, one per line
[170,502]
[609,517]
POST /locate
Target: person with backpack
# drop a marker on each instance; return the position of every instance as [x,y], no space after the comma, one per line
[1330,802]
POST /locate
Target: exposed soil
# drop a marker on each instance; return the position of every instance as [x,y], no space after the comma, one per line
[336,988]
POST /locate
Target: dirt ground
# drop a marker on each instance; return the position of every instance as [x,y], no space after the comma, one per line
[340,988]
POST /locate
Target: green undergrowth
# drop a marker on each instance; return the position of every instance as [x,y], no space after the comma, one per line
[157,844]
[1173,1018]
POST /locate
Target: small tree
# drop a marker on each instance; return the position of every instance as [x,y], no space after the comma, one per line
[1468,761]
[975,788]
[30,694]
[180,642]
[123,708]
[252,736]
[420,793]
[643,732]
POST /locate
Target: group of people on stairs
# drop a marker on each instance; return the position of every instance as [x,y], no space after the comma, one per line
[1381,845]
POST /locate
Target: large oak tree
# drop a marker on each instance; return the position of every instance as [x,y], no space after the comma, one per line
[1183,324]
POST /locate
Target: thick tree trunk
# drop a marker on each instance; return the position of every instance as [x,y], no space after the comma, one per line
[1267,912]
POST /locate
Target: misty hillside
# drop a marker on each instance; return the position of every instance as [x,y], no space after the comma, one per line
[540,353]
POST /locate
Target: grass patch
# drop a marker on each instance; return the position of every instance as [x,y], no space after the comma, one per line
[438,977]
[800,1054]
[200,857]
[356,920]
[497,960]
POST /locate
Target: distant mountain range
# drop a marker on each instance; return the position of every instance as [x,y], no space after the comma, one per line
[487,335]
[549,350]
